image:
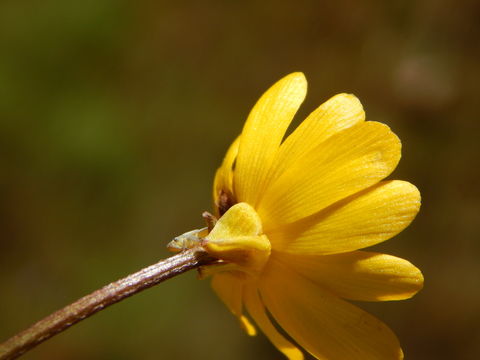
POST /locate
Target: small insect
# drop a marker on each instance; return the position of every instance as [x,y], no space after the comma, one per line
[187,240]
[193,238]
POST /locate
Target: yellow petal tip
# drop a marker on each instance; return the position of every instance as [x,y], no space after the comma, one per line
[246,325]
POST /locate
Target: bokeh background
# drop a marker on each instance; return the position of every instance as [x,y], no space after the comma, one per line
[115,114]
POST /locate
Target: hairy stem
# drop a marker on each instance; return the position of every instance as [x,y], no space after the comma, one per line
[102,298]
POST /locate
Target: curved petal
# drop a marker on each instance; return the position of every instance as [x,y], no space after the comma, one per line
[325,325]
[364,219]
[256,309]
[348,162]
[339,112]
[236,238]
[240,220]
[359,275]
[223,182]
[263,133]
[229,286]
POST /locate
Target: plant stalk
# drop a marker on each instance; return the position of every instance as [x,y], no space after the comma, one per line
[102,298]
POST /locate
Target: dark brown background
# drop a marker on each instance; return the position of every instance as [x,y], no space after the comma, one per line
[115,114]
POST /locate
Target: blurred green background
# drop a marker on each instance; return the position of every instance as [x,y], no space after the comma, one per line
[114,116]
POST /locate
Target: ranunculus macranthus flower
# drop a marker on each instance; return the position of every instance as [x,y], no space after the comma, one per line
[293,214]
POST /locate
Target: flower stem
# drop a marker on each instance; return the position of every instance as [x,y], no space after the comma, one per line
[102,298]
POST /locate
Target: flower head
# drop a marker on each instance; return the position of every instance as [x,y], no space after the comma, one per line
[293,214]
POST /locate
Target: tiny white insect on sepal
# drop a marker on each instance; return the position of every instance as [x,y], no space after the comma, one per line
[188,240]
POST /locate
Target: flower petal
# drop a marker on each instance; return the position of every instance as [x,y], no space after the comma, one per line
[229,287]
[263,133]
[339,112]
[236,238]
[346,163]
[240,220]
[359,275]
[256,309]
[325,325]
[223,182]
[364,219]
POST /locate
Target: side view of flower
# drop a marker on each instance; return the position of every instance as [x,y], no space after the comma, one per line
[283,247]
[292,215]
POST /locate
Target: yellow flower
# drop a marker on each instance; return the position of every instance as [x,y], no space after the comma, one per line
[294,213]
